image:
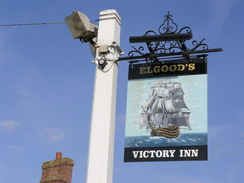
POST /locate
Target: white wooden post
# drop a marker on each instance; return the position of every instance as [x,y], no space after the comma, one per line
[101,147]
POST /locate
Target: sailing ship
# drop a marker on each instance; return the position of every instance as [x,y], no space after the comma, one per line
[165,111]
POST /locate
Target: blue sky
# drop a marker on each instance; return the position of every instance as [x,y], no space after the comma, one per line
[47,84]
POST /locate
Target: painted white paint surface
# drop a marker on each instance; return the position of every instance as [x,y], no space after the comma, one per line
[101,148]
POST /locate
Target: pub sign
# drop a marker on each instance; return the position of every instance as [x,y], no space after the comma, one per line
[166,115]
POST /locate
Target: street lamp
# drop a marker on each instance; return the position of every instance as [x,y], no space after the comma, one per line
[81,27]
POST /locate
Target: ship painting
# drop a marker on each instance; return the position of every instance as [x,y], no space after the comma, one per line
[165,111]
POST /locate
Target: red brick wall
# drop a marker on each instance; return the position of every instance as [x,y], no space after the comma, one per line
[57,171]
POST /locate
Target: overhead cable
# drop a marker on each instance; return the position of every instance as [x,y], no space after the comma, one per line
[9,25]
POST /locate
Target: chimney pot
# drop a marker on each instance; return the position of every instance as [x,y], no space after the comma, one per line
[58,170]
[58,155]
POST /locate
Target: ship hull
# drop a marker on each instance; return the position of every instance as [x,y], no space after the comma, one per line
[170,132]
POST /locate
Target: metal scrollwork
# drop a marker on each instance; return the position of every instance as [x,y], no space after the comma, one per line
[185,30]
[167,47]
[139,51]
[168,25]
[197,45]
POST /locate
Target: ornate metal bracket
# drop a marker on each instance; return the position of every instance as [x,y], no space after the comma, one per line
[157,50]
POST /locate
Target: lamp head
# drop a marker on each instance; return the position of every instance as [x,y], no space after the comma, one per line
[80,25]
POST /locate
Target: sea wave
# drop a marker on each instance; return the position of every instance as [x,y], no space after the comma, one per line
[182,140]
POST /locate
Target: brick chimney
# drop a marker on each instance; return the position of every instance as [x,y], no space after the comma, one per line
[58,170]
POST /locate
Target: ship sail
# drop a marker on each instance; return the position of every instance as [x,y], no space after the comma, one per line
[179,102]
[162,111]
[144,120]
[183,119]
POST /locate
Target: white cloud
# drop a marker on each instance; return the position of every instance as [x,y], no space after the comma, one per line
[8,125]
[53,134]
[15,148]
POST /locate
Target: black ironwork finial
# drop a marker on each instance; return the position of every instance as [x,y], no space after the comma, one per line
[169,41]
[168,26]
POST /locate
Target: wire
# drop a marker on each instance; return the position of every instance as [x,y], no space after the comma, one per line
[9,25]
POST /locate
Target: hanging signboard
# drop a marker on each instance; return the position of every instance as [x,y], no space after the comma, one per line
[166,117]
